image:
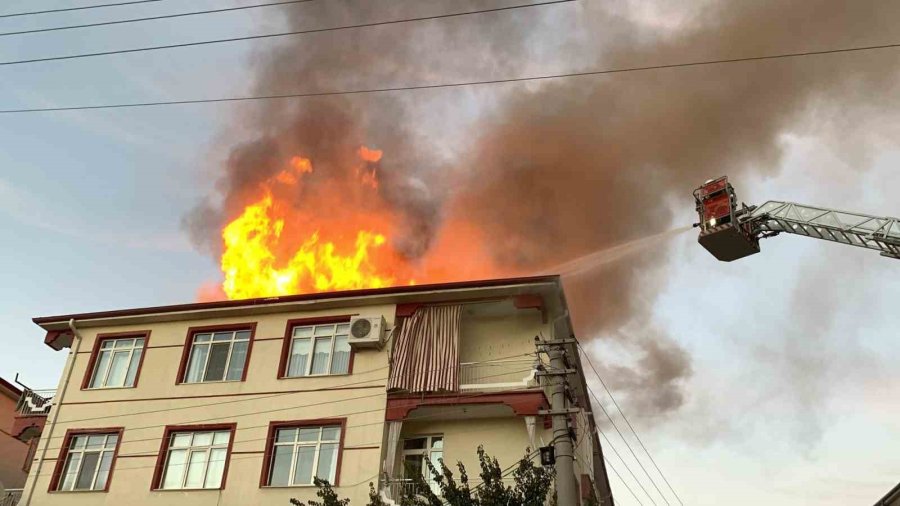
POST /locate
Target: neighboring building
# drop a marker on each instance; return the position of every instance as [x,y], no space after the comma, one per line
[243,402]
[892,498]
[13,452]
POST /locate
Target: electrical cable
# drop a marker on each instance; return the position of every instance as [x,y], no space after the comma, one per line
[459,84]
[84,7]
[280,34]
[616,404]
[154,18]
[609,465]
[627,467]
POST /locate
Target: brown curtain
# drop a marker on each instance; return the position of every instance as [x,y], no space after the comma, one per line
[426,354]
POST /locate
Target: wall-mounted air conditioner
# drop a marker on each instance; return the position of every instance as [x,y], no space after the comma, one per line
[367,332]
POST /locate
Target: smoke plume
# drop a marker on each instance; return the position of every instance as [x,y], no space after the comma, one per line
[536,174]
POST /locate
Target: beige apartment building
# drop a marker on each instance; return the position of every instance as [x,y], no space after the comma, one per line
[244,402]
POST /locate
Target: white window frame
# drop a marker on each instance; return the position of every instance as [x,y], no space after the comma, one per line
[426,452]
[191,449]
[231,341]
[108,447]
[112,350]
[296,444]
[312,349]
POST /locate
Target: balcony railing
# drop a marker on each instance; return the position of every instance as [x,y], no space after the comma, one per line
[497,374]
[11,497]
[35,403]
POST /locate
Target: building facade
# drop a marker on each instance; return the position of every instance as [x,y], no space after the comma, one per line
[14,453]
[245,402]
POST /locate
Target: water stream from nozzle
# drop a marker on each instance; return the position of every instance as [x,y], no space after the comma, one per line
[586,263]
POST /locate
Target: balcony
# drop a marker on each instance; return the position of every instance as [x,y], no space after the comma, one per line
[10,497]
[497,375]
[31,414]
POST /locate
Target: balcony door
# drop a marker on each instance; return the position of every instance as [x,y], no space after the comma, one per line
[415,451]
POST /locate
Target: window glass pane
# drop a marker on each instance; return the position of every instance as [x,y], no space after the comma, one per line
[281,465]
[202,338]
[124,343]
[139,343]
[181,440]
[71,468]
[331,433]
[78,442]
[109,343]
[216,467]
[198,361]
[218,355]
[238,358]
[299,357]
[86,474]
[103,473]
[286,435]
[437,443]
[343,328]
[96,442]
[222,336]
[118,369]
[324,330]
[321,355]
[327,461]
[100,369]
[303,331]
[242,335]
[414,444]
[309,434]
[111,440]
[412,465]
[195,470]
[221,437]
[133,367]
[203,438]
[303,467]
[174,469]
[340,363]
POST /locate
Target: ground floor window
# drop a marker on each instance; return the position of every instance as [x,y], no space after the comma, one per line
[195,459]
[300,453]
[88,460]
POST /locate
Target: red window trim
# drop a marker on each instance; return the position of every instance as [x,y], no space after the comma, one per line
[186,350]
[64,450]
[95,352]
[164,447]
[318,422]
[289,331]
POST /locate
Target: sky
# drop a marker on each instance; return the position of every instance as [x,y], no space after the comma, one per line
[792,399]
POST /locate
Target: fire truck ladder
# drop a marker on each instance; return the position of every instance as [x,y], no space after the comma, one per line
[862,230]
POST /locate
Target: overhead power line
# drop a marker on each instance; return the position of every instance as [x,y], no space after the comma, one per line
[82,8]
[460,84]
[155,18]
[609,465]
[280,34]
[616,404]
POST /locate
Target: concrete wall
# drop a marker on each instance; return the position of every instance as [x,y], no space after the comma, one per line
[158,401]
[12,451]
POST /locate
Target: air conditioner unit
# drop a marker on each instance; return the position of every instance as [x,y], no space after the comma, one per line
[367,332]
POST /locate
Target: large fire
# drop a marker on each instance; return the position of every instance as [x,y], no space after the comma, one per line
[276,247]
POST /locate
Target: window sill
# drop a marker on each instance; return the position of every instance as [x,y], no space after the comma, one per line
[312,376]
[208,383]
[103,491]
[188,489]
[91,389]
[293,486]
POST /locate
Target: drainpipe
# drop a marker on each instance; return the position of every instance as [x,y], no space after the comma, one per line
[60,394]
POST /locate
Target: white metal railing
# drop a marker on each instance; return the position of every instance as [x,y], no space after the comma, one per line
[497,374]
[11,497]
[35,402]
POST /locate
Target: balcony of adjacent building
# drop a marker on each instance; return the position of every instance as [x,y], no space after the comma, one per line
[31,413]
[10,497]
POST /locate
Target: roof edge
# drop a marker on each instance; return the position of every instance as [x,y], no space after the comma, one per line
[345,294]
[5,385]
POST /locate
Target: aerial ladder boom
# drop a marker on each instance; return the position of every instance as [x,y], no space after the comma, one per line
[730,232]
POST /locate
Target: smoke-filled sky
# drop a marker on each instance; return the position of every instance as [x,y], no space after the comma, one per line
[765,381]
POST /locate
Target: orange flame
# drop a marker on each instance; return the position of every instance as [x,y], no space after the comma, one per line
[323,251]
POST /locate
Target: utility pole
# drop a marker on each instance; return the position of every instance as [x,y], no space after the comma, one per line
[566,487]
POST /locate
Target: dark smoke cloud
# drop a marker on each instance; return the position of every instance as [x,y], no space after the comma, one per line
[556,170]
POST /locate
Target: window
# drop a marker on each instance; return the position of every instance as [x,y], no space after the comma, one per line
[319,350]
[219,355]
[195,459]
[116,362]
[415,451]
[299,453]
[88,461]
[29,456]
